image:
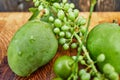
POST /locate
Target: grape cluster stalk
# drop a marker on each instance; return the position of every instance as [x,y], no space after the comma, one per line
[71,30]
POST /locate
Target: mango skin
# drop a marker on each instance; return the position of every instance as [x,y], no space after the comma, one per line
[33,46]
[105,38]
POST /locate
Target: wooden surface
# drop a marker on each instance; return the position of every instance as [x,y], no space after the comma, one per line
[11,22]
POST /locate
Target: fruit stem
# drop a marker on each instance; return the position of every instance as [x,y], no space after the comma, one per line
[86,53]
[93,2]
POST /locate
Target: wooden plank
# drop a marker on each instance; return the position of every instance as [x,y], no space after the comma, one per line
[11,22]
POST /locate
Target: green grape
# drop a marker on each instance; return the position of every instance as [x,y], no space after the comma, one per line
[101,58]
[61,4]
[71,16]
[68,35]
[61,34]
[66,6]
[80,34]
[82,72]
[66,46]
[72,5]
[71,29]
[34,0]
[64,28]
[56,5]
[81,21]
[36,3]
[61,14]
[82,62]
[53,0]
[86,76]
[74,45]
[83,29]
[51,18]
[108,68]
[79,49]
[114,76]
[58,23]
[80,58]
[64,1]
[56,30]
[70,10]
[65,19]
[46,12]
[76,12]
[96,78]
[40,7]
[62,40]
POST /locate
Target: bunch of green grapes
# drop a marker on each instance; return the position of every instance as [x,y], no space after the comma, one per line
[66,23]
[65,20]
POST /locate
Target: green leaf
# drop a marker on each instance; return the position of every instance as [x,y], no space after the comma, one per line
[35,12]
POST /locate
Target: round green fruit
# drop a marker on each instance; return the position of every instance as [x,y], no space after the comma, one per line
[53,0]
[33,45]
[63,66]
[105,39]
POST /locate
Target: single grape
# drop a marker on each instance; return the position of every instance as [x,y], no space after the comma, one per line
[58,23]
[56,5]
[51,18]
[80,58]
[70,10]
[64,28]
[82,62]
[68,34]
[62,34]
[74,45]
[83,29]
[64,1]
[76,12]
[40,7]
[101,58]
[62,5]
[37,3]
[82,72]
[62,40]
[61,14]
[96,78]
[46,12]
[108,68]
[71,16]
[34,0]
[81,21]
[66,6]
[56,30]
[85,76]
[66,46]
[114,76]
[71,29]
[72,5]
[79,49]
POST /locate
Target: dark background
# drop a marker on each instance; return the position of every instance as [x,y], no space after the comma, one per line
[82,5]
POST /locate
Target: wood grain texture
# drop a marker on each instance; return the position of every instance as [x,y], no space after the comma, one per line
[11,22]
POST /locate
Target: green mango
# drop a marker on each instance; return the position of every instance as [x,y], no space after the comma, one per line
[33,46]
[105,38]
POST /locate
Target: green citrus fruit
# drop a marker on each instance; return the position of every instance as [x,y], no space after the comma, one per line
[105,39]
[33,45]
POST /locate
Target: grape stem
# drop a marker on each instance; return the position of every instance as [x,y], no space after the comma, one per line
[86,53]
[93,2]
